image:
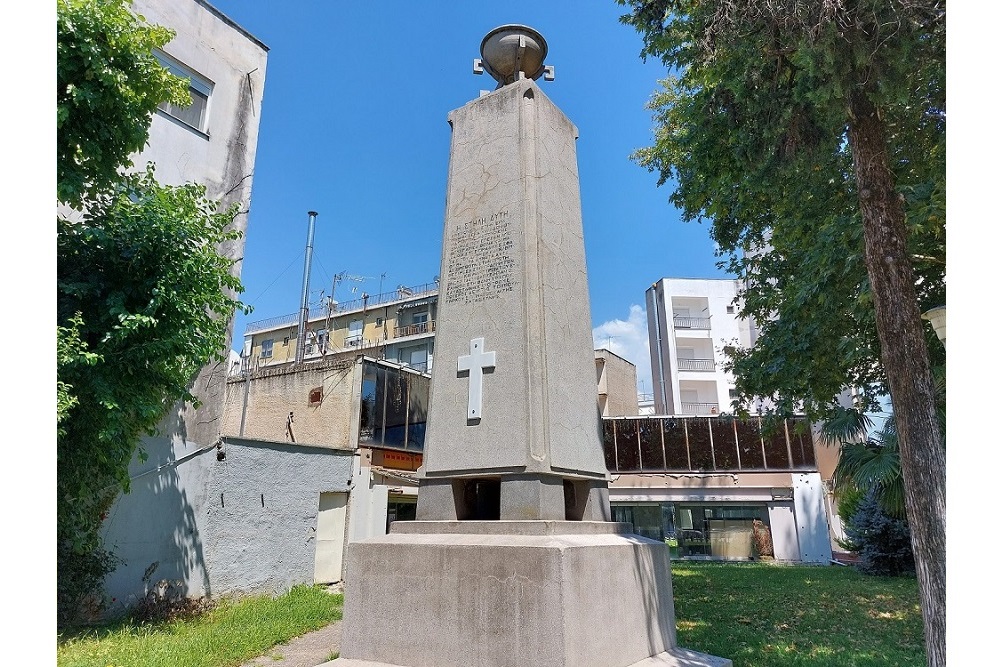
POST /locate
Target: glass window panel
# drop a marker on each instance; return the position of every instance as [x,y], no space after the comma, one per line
[650,444]
[648,522]
[724,442]
[369,377]
[718,531]
[609,444]
[378,436]
[803,454]
[699,443]
[418,391]
[194,113]
[748,437]
[627,441]
[775,445]
[692,538]
[395,409]
[675,444]
[621,513]
[667,520]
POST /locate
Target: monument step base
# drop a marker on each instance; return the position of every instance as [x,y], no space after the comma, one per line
[678,657]
[521,594]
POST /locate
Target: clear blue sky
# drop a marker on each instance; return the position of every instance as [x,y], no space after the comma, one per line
[354,126]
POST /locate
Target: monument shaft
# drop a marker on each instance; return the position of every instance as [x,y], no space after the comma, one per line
[513,273]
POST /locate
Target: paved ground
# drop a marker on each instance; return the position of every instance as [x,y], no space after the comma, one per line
[309,650]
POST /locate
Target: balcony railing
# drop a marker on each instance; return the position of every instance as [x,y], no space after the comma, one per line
[699,408]
[398,294]
[695,364]
[413,329]
[692,322]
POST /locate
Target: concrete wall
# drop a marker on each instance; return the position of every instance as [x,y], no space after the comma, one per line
[239,517]
[616,385]
[258,405]
[261,509]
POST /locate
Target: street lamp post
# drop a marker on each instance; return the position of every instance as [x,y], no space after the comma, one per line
[936,317]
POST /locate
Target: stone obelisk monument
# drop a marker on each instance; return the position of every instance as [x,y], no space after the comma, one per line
[513,559]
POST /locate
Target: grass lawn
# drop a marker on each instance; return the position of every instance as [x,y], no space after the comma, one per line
[229,635]
[757,615]
[761,615]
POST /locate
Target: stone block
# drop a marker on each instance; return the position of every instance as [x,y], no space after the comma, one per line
[520,594]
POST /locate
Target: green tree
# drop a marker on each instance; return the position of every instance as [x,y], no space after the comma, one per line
[144,295]
[812,136]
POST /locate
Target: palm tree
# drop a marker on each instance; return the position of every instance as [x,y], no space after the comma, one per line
[873,465]
[871,462]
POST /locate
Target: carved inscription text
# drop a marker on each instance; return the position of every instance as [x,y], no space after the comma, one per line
[480,263]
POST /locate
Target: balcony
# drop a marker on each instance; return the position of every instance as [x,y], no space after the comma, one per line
[696,364]
[692,323]
[413,329]
[699,408]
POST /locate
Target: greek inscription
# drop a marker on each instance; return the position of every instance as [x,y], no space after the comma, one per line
[480,264]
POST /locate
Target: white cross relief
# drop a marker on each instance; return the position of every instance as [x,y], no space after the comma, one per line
[475,362]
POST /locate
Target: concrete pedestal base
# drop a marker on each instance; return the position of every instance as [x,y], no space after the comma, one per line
[511,593]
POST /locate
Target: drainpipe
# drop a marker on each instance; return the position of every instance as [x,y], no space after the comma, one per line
[300,343]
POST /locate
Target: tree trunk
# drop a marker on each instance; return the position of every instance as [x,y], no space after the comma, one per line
[907,368]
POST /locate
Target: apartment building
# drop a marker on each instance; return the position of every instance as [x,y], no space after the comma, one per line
[690,323]
[397,326]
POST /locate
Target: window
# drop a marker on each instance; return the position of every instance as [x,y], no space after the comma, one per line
[266,348]
[354,330]
[731,310]
[420,318]
[414,356]
[196,114]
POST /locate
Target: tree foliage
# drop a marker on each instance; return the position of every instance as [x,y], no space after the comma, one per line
[144,293]
[108,85]
[751,130]
[881,540]
[812,136]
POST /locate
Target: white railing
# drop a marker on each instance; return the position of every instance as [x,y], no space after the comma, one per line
[696,364]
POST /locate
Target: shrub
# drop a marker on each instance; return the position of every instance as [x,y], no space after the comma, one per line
[78,593]
[881,541]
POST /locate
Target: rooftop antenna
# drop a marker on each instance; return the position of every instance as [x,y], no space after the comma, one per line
[300,343]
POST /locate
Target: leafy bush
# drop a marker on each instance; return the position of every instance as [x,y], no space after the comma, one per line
[881,541]
[78,596]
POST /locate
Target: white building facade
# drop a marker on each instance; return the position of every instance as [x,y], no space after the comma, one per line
[690,323]
[163,529]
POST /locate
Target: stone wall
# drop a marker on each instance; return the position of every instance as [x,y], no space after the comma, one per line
[322,399]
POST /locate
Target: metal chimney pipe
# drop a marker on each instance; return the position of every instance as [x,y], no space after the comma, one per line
[300,343]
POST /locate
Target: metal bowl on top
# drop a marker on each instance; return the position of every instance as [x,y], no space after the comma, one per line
[513,48]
